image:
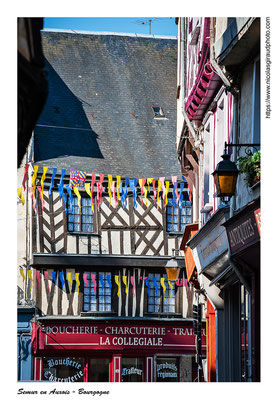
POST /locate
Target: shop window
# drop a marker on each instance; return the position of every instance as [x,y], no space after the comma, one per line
[99,370]
[167,369]
[132,369]
[97,294]
[177,217]
[161,294]
[81,220]
[63,369]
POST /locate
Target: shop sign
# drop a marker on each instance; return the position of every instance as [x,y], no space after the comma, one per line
[167,370]
[74,368]
[244,232]
[117,337]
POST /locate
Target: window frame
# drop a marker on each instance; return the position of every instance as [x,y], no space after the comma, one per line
[85,293]
[94,217]
[181,225]
[162,297]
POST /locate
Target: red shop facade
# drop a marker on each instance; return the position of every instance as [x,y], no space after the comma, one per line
[113,351]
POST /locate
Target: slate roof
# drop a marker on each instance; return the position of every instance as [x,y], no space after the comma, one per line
[98,116]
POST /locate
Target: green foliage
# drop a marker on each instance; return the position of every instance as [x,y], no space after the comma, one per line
[250,165]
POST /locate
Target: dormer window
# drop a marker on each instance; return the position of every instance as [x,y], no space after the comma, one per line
[158,112]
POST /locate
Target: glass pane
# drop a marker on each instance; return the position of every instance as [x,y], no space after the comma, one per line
[167,369]
[99,370]
[132,369]
[70,227]
[76,227]
[188,211]
[63,369]
[169,227]
[175,210]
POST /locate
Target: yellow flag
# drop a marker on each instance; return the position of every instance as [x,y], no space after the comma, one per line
[77,280]
[118,284]
[167,183]
[118,187]
[20,195]
[70,280]
[22,274]
[42,180]
[163,284]
[125,282]
[149,181]
[110,180]
[34,177]
[88,190]
[29,273]
[171,287]
[76,191]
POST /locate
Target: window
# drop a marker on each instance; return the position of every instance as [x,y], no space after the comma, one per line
[177,217]
[161,299]
[97,294]
[132,369]
[63,369]
[167,369]
[81,221]
[158,112]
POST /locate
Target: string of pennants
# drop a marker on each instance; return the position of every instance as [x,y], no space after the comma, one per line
[71,277]
[117,189]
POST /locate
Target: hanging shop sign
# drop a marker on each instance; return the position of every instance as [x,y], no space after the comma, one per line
[116,337]
[244,232]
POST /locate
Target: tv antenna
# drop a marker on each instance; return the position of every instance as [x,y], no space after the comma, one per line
[147,21]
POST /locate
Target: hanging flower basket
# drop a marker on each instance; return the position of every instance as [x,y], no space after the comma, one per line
[250,166]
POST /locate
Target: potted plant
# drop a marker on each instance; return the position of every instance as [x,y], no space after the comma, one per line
[250,165]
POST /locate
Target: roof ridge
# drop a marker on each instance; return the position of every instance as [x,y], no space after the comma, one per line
[106,33]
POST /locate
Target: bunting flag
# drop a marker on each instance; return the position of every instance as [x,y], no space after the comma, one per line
[149,181]
[25,176]
[163,284]
[110,179]
[132,185]
[142,186]
[42,200]
[45,273]
[42,182]
[118,284]
[54,277]
[154,190]
[124,192]
[109,282]
[174,197]
[171,287]
[78,195]
[34,201]
[20,195]
[77,280]
[155,285]
[88,191]
[77,179]
[54,172]
[114,194]
[61,278]
[38,275]
[68,188]
[167,183]
[133,285]
[125,283]
[70,280]
[93,277]
[119,185]
[34,177]
[92,189]
[159,186]
[101,281]
[188,189]
[29,273]
[86,281]
[147,284]
[181,195]
[99,191]
[162,179]
[22,274]
[61,190]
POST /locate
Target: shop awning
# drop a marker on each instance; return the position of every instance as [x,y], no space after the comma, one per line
[190,231]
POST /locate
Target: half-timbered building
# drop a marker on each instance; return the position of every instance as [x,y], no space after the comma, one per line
[92,263]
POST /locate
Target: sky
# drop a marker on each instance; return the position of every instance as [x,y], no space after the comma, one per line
[159,25]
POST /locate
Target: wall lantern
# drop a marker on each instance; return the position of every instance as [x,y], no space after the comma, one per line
[172,268]
[226,173]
